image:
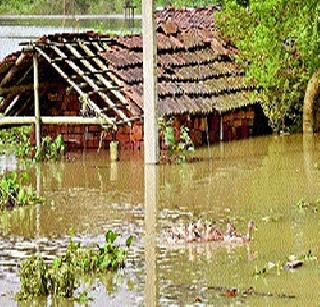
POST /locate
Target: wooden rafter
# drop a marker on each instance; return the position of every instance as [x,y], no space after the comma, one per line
[92,83]
[93,106]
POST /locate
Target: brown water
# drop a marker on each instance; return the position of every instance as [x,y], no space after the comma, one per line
[249,179]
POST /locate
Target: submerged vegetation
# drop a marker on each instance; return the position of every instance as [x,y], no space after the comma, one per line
[14,191]
[177,150]
[50,149]
[63,276]
[15,135]
[19,139]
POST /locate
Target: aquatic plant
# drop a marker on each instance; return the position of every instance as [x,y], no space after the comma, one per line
[176,149]
[14,191]
[15,135]
[50,149]
[19,138]
[63,276]
[291,263]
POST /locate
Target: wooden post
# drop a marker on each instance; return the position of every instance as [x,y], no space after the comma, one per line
[221,127]
[150,97]
[36,98]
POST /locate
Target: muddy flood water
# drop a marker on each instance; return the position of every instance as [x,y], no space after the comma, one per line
[259,179]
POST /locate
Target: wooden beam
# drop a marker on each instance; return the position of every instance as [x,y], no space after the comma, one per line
[52,120]
[36,98]
[221,127]
[73,120]
[16,120]
[150,96]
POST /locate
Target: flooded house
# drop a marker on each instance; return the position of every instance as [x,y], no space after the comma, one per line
[91,85]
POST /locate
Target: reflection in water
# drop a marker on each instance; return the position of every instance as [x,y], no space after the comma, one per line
[249,179]
[150,235]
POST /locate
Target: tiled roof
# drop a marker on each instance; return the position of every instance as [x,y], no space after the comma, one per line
[196,71]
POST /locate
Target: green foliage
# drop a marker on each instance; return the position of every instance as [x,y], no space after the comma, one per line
[15,136]
[19,138]
[62,277]
[49,149]
[176,150]
[14,191]
[279,49]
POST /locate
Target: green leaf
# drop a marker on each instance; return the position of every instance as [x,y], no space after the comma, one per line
[111,236]
[129,241]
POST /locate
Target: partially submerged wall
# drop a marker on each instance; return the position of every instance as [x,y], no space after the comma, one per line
[236,125]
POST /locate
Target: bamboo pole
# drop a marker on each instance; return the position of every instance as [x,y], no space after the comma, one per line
[16,120]
[51,120]
[36,98]
[151,141]
[221,127]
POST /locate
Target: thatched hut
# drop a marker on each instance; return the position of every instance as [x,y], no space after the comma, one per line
[100,77]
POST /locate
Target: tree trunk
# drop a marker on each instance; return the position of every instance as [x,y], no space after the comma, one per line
[309,98]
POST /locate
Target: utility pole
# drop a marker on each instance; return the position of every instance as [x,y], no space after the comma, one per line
[150,96]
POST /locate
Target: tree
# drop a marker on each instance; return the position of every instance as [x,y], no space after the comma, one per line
[279,48]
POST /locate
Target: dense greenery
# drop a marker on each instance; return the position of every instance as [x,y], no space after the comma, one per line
[15,191]
[279,49]
[63,276]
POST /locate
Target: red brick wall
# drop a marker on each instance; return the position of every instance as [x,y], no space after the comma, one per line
[236,125]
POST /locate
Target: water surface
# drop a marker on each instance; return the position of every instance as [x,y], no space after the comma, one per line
[257,179]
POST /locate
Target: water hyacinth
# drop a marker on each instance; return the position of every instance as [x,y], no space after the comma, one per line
[62,277]
[14,191]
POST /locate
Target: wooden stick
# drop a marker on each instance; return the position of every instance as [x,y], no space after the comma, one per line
[36,98]
[52,120]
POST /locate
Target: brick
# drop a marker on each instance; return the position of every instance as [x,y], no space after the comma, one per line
[77,129]
[123,137]
[107,136]
[70,129]
[137,132]
[64,129]
[90,136]
[93,128]
[125,145]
